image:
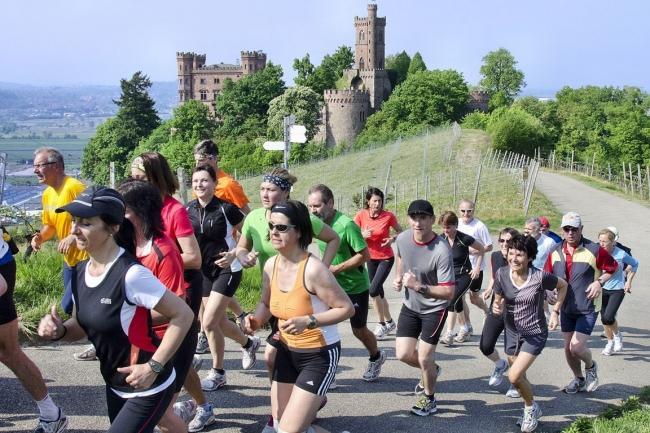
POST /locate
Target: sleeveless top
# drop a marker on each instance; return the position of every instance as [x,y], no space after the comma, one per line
[298,301]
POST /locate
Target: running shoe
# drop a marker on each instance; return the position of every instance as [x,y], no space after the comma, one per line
[462,336]
[419,388]
[204,417]
[390,327]
[57,426]
[88,354]
[609,348]
[591,378]
[447,339]
[374,368]
[424,406]
[185,410]
[530,420]
[380,331]
[249,356]
[213,381]
[497,375]
[202,345]
[197,363]
[618,342]
[469,330]
[576,385]
[512,392]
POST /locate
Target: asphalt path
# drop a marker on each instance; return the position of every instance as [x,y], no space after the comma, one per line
[465,402]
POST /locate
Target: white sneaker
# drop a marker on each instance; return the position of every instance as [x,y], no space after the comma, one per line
[88,354]
[197,363]
[249,356]
[213,381]
[591,378]
[512,392]
[390,327]
[185,410]
[618,342]
[448,338]
[58,426]
[203,418]
[497,374]
[609,348]
[380,331]
[374,368]
[202,345]
[530,420]
[462,336]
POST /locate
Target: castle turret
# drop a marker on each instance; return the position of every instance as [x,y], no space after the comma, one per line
[345,114]
[185,62]
[252,61]
[370,43]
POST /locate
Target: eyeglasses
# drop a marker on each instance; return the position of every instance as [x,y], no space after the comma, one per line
[44,164]
[502,240]
[466,210]
[570,229]
[281,228]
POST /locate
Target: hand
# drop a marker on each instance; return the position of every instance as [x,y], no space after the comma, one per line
[295,325]
[366,233]
[335,269]
[225,260]
[410,282]
[551,296]
[51,326]
[594,290]
[497,305]
[628,287]
[140,376]
[36,241]
[553,321]
[66,243]
[475,273]
[387,241]
[397,284]
[487,293]
[251,324]
[248,260]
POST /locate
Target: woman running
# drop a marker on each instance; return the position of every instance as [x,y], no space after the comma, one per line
[464,273]
[303,294]
[615,289]
[213,221]
[520,291]
[375,224]
[113,300]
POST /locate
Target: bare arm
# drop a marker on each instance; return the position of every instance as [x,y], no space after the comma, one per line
[46,233]
[399,273]
[561,288]
[479,253]
[52,327]
[262,314]
[190,252]
[357,260]
[329,236]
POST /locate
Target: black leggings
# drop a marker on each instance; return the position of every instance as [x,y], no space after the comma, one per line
[7,307]
[492,328]
[611,302]
[461,287]
[137,414]
[378,271]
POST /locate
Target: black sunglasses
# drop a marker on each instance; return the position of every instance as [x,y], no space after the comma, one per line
[281,228]
[501,240]
[570,229]
[466,210]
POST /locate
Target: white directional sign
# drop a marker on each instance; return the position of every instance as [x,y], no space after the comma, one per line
[273,145]
[297,134]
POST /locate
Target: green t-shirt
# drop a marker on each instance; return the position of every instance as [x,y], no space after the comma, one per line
[353,281]
[256,231]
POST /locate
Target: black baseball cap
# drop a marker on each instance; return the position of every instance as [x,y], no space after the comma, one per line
[420,207]
[96,201]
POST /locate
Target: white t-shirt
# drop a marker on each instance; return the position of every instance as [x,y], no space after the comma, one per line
[544,246]
[478,231]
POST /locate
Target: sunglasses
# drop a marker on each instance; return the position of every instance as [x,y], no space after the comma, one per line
[466,210]
[502,240]
[570,229]
[281,228]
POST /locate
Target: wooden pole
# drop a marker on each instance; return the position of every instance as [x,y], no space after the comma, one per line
[624,179]
[609,171]
[478,182]
[638,170]
[572,156]
[593,160]
[647,179]
[112,174]
[180,174]
[629,172]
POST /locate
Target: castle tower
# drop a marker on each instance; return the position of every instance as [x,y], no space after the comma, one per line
[252,61]
[344,115]
[185,62]
[370,45]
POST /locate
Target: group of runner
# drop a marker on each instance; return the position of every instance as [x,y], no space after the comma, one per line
[154,279]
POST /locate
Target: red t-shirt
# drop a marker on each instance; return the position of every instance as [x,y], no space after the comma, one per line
[380,230]
[164,260]
[176,219]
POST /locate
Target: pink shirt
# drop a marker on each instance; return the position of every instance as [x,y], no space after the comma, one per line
[380,230]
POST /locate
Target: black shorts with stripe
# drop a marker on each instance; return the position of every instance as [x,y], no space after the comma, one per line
[425,326]
[311,371]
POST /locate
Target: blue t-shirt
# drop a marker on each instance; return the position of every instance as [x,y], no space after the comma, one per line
[617,281]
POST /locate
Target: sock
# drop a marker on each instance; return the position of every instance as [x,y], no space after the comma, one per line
[48,410]
[248,344]
[465,328]
[528,407]
[375,356]
[581,378]
[382,323]
[221,371]
[431,397]
[389,321]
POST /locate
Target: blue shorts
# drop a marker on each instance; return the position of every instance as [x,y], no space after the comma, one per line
[577,322]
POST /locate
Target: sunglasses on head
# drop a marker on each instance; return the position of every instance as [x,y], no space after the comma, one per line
[281,228]
[466,210]
[570,229]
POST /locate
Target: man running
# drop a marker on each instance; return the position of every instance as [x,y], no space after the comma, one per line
[586,266]
[350,271]
[544,243]
[545,228]
[425,270]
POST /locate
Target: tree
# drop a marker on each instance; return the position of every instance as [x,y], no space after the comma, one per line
[501,78]
[327,73]
[398,68]
[426,98]
[301,101]
[515,130]
[417,64]
[136,104]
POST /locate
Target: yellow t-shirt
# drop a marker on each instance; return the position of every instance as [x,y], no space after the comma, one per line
[62,222]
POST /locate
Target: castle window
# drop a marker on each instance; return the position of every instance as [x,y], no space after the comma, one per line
[180,81]
[204,95]
[362,63]
[202,80]
[217,81]
[362,36]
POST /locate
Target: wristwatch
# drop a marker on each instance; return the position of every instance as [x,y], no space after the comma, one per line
[313,323]
[422,289]
[156,366]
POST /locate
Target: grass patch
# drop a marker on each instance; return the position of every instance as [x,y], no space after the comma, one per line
[250,288]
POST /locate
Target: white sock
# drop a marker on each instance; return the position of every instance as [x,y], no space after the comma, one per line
[49,411]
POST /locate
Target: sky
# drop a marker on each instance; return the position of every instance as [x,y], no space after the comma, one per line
[556,42]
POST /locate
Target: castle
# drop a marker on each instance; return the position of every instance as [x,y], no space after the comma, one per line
[202,82]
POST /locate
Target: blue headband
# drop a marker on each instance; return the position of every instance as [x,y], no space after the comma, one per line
[283,184]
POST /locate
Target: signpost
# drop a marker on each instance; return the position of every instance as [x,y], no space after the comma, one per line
[292,134]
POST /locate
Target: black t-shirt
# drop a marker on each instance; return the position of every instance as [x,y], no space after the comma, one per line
[460,252]
[496,261]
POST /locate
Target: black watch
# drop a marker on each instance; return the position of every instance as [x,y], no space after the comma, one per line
[156,366]
[422,289]
[313,323]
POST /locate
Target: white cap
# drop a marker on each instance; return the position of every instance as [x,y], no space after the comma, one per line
[613,230]
[571,219]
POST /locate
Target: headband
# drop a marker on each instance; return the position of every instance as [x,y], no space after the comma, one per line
[138,163]
[286,210]
[281,183]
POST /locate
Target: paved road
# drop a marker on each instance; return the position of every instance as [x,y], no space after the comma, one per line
[466,403]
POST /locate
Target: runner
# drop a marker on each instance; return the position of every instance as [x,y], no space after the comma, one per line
[300,291]
[464,272]
[472,226]
[113,300]
[375,224]
[214,221]
[586,266]
[544,243]
[425,269]
[520,290]
[615,289]
[494,325]
[350,272]
[51,419]
[545,228]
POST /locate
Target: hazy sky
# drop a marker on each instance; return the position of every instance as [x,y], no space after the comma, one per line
[556,42]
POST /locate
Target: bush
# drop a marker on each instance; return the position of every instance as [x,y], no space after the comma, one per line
[475,120]
[517,131]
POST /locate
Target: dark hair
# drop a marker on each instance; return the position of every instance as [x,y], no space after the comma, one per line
[325,193]
[206,168]
[125,236]
[207,147]
[299,216]
[370,192]
[525,243]
[448,218]
[144,200]
[512,232]
[159,173]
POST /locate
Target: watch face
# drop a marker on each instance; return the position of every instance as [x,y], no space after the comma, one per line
[155,366]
